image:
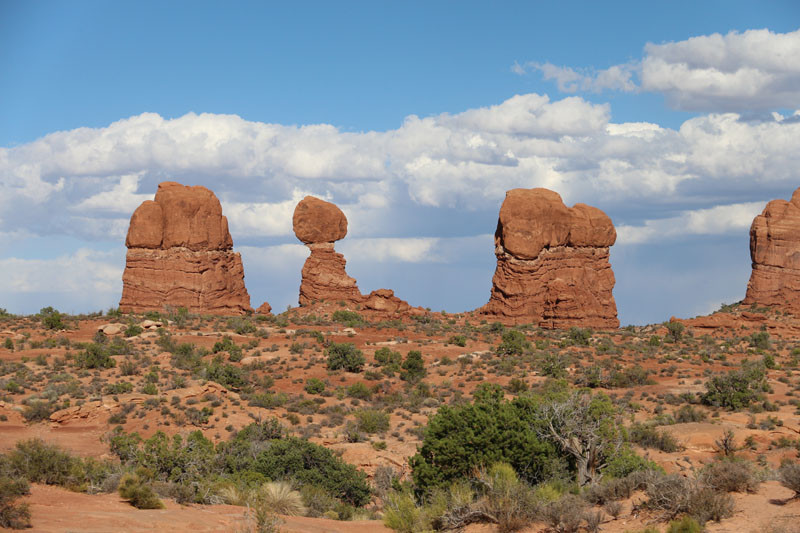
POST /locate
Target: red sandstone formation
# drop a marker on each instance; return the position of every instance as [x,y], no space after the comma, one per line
[552,263]
[180,255]
[318,224]
[775,252]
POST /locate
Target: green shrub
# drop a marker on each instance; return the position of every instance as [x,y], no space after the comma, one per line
[120,387]
[138,493]
[458,340]
[348,318]
[51,318]
[413,367]
[674,331]
[372,421]
[314,386]
[133,330]
[687,524]
[513,342]
[345,356]
[13,515]
[579,336]
[229,376]
[489,430]
[359,390]
[789,476]
[648,436]
[730,475]
[388,359]
[95,356]
[760,340]
[38,410]
[738,388]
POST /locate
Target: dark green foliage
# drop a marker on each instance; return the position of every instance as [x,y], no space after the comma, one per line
[242,326]
[138,493]
[738,388]
[345,356]
[613,376]
[314,386]
[388,359]
[348,318]
[648,436]
[38,410]
[95,356]
[760,340]
[119,388]
[229,376]
[626,462]
[359,390]
[227,345]
[489,430]
[458,340]
[513,343]
[45,463]
[413,367]
[51,318]
[687,524]
[12,514]
[372,421]
[674,331]
[516,386]
[579,336]
[553,365]
[133,330]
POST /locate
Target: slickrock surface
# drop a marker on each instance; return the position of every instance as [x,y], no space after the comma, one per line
[180,254]
[552,263]
[775,252]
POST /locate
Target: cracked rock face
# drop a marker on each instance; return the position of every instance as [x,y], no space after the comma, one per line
[180,254]
[775,252]
[552,263]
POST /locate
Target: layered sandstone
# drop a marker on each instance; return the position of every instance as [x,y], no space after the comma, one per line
[775,252]
[553,265]
[180,254]
[319,224]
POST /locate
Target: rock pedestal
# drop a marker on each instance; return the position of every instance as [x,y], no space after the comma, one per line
[775,252]
[553,265]
[180,254]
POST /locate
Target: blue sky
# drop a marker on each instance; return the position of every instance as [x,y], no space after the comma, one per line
[677,119]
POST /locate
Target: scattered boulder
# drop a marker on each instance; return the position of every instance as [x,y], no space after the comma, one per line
[553,265]
[264,309]
[112,329]
[180,254]
[775,252]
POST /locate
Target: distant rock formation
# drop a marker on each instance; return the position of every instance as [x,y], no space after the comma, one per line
[552,263]
[180,255]
[775,252]
[318,224]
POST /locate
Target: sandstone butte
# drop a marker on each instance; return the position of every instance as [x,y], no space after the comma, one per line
[318,224]
[775,252]
[552,263]
[180,254]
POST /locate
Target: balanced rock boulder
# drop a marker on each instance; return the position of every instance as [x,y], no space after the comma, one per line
[318,224]
[180,254]
[775,252]
[552,263]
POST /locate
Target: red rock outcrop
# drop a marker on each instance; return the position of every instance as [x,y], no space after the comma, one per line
[552,263]
[318,224]
[180,254]
[775,252]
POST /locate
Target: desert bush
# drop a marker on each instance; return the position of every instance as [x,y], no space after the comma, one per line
[738,388]
[648,436]
[359,390]
[348,318]
[674,331]
[760,340]
[95,356]
[579,336]
[138,492]
[229,376]
[314,386]
[687,524]
[458,340]
[13,515]
[689,413]
[279,498]
[38,410]
[227,345]
[413,367]
[51,318]
[513,342]
[345,356]
[402,514]
[460,438]
[789,476]
[730,475]
[372,421]
[706,504]
[674,495]
[133,330]
[565,515]
[388,359]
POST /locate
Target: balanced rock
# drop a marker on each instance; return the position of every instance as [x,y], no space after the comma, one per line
[552,263]
[775,252]
[318,224]
[180,254]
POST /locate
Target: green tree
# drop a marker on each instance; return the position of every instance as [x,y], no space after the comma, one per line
[345,356]
[413,367]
